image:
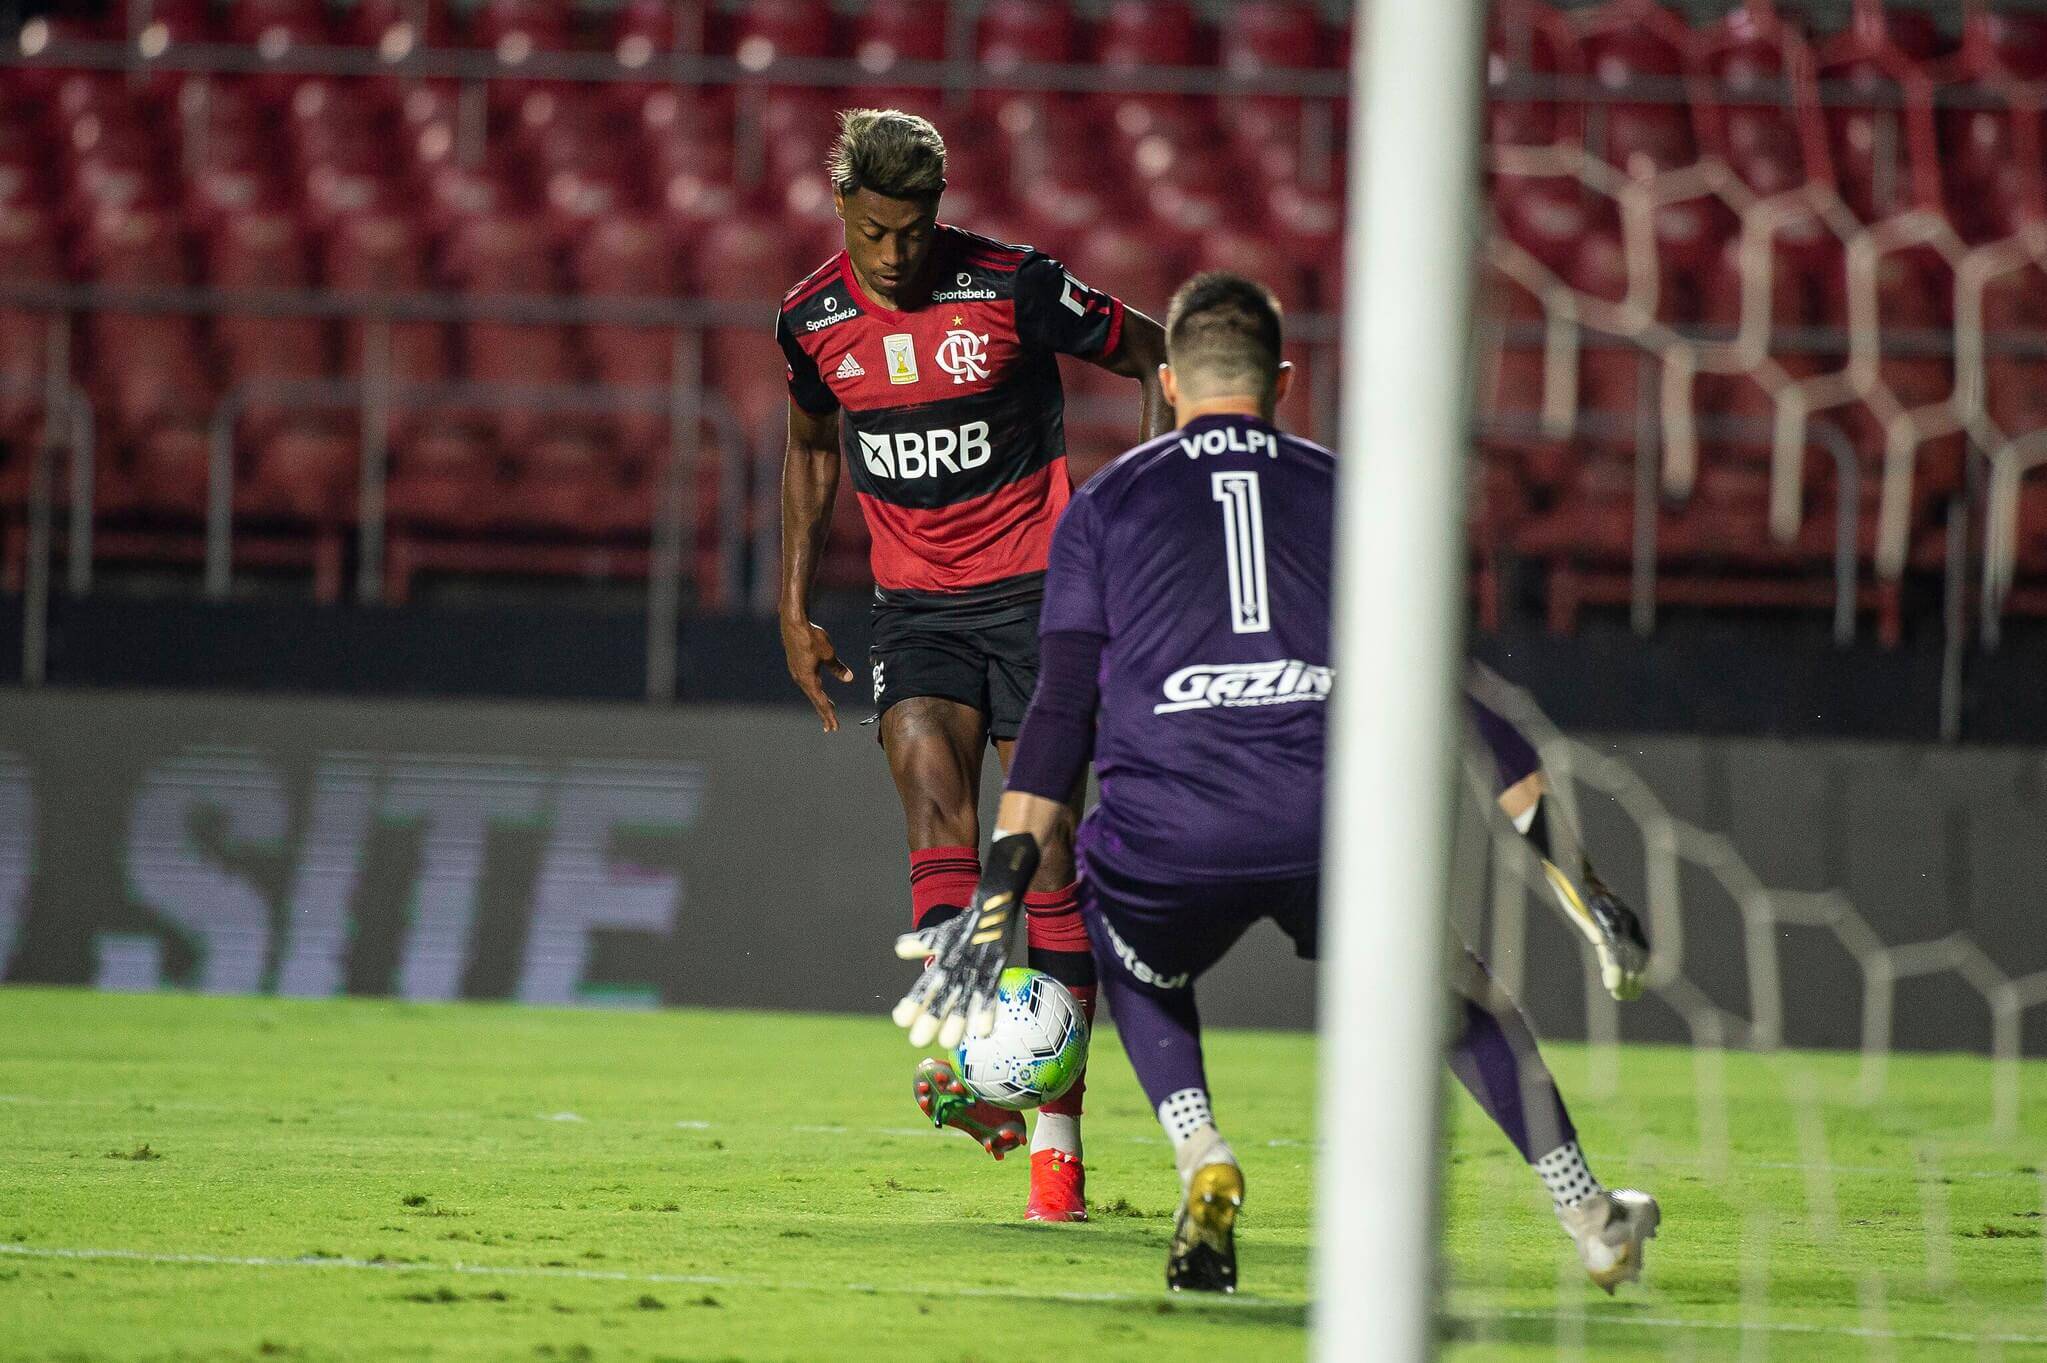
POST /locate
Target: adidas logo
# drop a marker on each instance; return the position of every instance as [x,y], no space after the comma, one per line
[849,368]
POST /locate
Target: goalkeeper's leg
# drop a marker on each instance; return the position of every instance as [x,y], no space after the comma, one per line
[1497,1060]
[1149,957]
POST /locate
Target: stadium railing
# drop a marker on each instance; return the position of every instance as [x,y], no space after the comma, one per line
[1683,353]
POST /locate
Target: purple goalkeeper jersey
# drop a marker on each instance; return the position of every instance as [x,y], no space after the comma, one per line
[1203,559]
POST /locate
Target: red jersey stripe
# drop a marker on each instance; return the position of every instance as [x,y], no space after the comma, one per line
[950,548]
[826,276]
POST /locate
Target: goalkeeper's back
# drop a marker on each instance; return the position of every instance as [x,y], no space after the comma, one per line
[1203,560]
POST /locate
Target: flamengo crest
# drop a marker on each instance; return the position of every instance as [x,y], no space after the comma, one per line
[964,355]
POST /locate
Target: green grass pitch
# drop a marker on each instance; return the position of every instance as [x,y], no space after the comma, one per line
[236,1179]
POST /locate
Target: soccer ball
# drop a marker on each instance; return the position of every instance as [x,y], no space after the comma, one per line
[1038,1047]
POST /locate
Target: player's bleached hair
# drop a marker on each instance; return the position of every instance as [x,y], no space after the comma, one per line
[894,154]
[1223,335]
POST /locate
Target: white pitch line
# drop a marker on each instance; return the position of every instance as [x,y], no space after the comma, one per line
[1281,1143]
[1594,1319]
[137,1256]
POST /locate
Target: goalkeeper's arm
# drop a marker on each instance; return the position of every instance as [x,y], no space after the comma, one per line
[1608,924]
[965,955]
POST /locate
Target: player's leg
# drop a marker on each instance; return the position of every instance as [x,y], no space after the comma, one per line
[934,747]
[1149,953]
[1496,1059]
[1055,938]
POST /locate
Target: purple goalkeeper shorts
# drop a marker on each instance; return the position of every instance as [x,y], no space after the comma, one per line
[1164,937]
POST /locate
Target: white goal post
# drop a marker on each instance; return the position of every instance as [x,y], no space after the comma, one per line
[1399,645]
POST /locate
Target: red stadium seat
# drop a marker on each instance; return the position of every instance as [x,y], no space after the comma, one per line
[889,31]
[1524,39]
[647,29]
[28,255]
[1310,223]
[258,251]
[797,129]
[1260,35]
[770,30]
[111,168]
[1016,31]
[383,253]
[628,258]
[1129,263]
[1691,239]
[747,260]
[146,366]
[514,30]
[1250,253]
[389,26]
[1138,34]
[1546,216]
[457,195]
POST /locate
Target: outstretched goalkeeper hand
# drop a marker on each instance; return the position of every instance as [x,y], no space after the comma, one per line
[1609,925]
[964,955]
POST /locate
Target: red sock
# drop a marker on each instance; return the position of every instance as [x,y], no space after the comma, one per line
[941,878]
[1058,946]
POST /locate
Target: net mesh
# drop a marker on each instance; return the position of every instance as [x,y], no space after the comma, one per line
[1865,1203]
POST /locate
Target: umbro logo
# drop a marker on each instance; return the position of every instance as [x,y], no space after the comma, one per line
[849,368]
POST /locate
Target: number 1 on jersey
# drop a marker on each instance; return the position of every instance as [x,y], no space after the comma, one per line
[1244,542]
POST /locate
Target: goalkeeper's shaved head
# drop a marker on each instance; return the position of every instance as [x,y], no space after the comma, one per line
[1223,340]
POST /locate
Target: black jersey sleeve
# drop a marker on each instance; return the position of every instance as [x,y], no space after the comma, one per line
[1057,312]
[806,386]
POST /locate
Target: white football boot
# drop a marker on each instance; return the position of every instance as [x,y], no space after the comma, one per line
[1611,1230]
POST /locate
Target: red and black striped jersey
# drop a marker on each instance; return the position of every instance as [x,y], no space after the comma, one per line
[953,424]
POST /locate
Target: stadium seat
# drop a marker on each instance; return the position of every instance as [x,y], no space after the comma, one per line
[886,32]
[390,27]
[627,257]
[29,255]
[746,260]
[772,30]
[1310,223]
[1013,32]
[1549,217]
[1691,237]
[797,129]
[1261,35]
[265,251]
[1136,34]
[646,29]
[1520,43]
[514,30]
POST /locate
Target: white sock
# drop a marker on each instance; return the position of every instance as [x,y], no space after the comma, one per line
[1056,1131]
[1191,1126]
[1563,1171]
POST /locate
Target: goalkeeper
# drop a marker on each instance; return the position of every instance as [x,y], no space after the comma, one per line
[1185,639]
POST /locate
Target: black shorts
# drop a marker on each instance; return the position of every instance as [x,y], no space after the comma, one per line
[979,648]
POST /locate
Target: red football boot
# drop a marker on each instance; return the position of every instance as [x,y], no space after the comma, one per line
[946,1100]
[1058,1187]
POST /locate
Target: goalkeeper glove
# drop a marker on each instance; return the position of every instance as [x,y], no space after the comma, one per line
[1610,926]
[964,955]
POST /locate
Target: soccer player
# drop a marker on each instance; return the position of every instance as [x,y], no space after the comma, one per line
[1186,639]
[930,355]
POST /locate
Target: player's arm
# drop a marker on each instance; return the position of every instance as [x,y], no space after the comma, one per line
[810,480]
[1608,924]
[1057,311]
[1139,352]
